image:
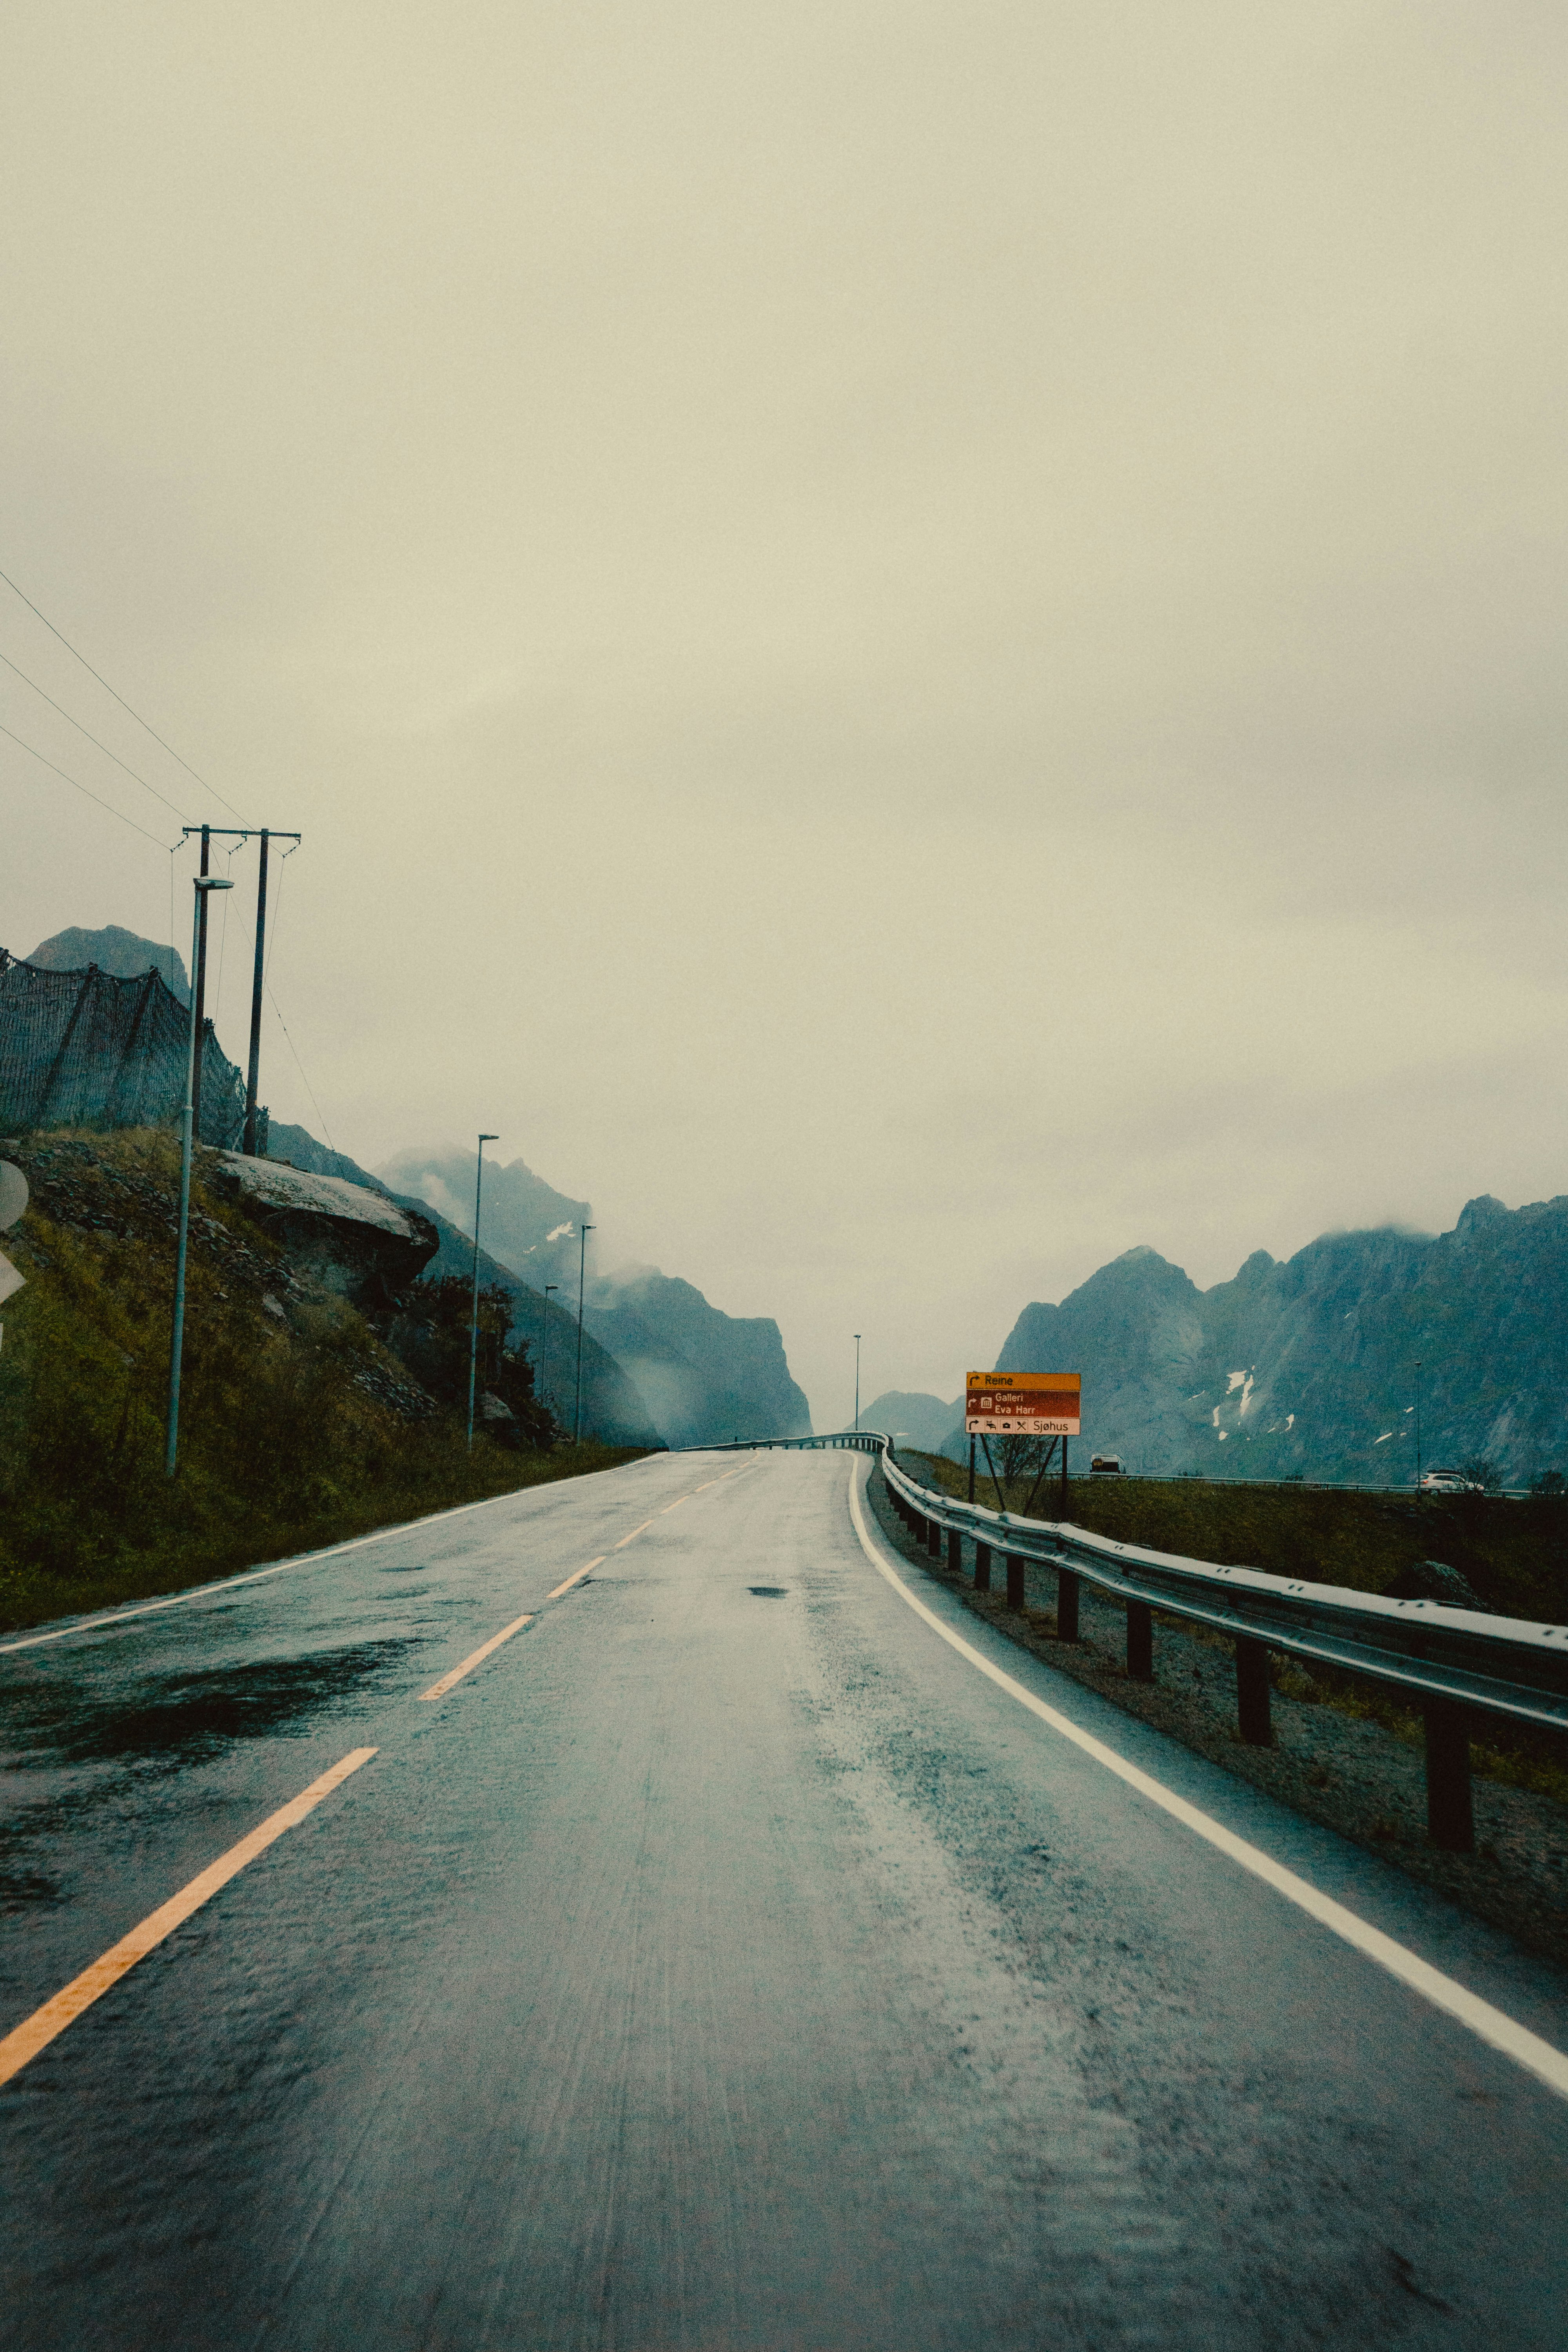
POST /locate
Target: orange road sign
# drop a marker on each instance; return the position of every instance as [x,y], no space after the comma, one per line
[1023,1404]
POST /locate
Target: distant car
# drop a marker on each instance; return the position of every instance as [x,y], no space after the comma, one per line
[1105,1465]
[1448,1482]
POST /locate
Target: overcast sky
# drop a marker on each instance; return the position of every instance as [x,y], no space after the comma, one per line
[913,643]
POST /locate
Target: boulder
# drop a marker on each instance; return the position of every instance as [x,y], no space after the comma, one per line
[1434,1580]
[354,1241]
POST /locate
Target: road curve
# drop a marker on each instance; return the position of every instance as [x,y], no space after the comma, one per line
[716,1960]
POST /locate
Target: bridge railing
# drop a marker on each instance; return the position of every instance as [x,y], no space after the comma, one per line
[1450,1662]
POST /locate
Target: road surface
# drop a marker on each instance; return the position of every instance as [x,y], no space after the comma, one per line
[721,1961]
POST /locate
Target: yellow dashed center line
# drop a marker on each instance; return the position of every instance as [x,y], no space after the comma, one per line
[439,1690]
[36,2032]
[577,1576]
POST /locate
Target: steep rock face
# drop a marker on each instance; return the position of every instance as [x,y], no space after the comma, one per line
[924,1421]
[701,1374]
[614,1410]
[1135,1332]
[1310,1366]
[707,1375]
[531,1227]
[116,951]
[300,1149]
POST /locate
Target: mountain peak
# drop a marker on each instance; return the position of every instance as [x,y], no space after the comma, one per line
[123,954]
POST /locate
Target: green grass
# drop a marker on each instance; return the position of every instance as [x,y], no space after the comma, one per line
[282,1448]
[1515,1553]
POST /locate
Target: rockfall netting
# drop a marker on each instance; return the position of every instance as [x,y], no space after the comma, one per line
[84,1049]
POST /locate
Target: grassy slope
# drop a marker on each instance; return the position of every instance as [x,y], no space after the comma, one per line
[292,1434]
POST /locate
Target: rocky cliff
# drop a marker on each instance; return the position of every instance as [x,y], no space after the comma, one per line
[123,954]
[704,1374]
[531,1226]
[1309,1367]
[614,1411]
[707,1375]
[922,1420]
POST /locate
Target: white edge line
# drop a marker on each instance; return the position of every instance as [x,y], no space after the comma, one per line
[1539,2058]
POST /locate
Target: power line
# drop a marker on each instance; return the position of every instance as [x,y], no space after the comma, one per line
[119,698]
[300,1065]
[92,739]
[82,788]
[277,912]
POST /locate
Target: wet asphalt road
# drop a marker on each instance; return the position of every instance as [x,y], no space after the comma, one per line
[723,1963]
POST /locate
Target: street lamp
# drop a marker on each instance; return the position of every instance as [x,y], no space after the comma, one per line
[1418,1425]
[857,1379]
[201,884]
[582,1234]
[544,1344]
[474,1310]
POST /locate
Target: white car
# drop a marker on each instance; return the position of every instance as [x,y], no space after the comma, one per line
[1105,1465]
[1448,1482]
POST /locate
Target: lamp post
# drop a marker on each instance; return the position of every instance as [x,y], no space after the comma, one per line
[582,1234]
[544,1345]
[1418,1425]
[474,1309]
[201,884]
[857,1379]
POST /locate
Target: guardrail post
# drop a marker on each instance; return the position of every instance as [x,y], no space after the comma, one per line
[933,1538]
[1067,1605]
[982,1566]
[1252,1693]
[1450,1814]
[1140,1642]
[954,1552]
[1014,1582]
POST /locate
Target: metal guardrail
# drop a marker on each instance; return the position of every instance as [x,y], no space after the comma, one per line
[1451,1662]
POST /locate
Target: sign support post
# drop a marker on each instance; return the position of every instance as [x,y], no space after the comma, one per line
[1021,1404]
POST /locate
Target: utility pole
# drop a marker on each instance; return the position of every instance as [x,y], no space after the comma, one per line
[857,1379]
[248,1145]
[583,1232]
[198,959]
[474,1310]
[202,884]
[1418,1425]
[544,1346]
[199,988]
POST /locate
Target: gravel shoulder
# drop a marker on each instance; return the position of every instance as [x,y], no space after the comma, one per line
[1350,1773]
